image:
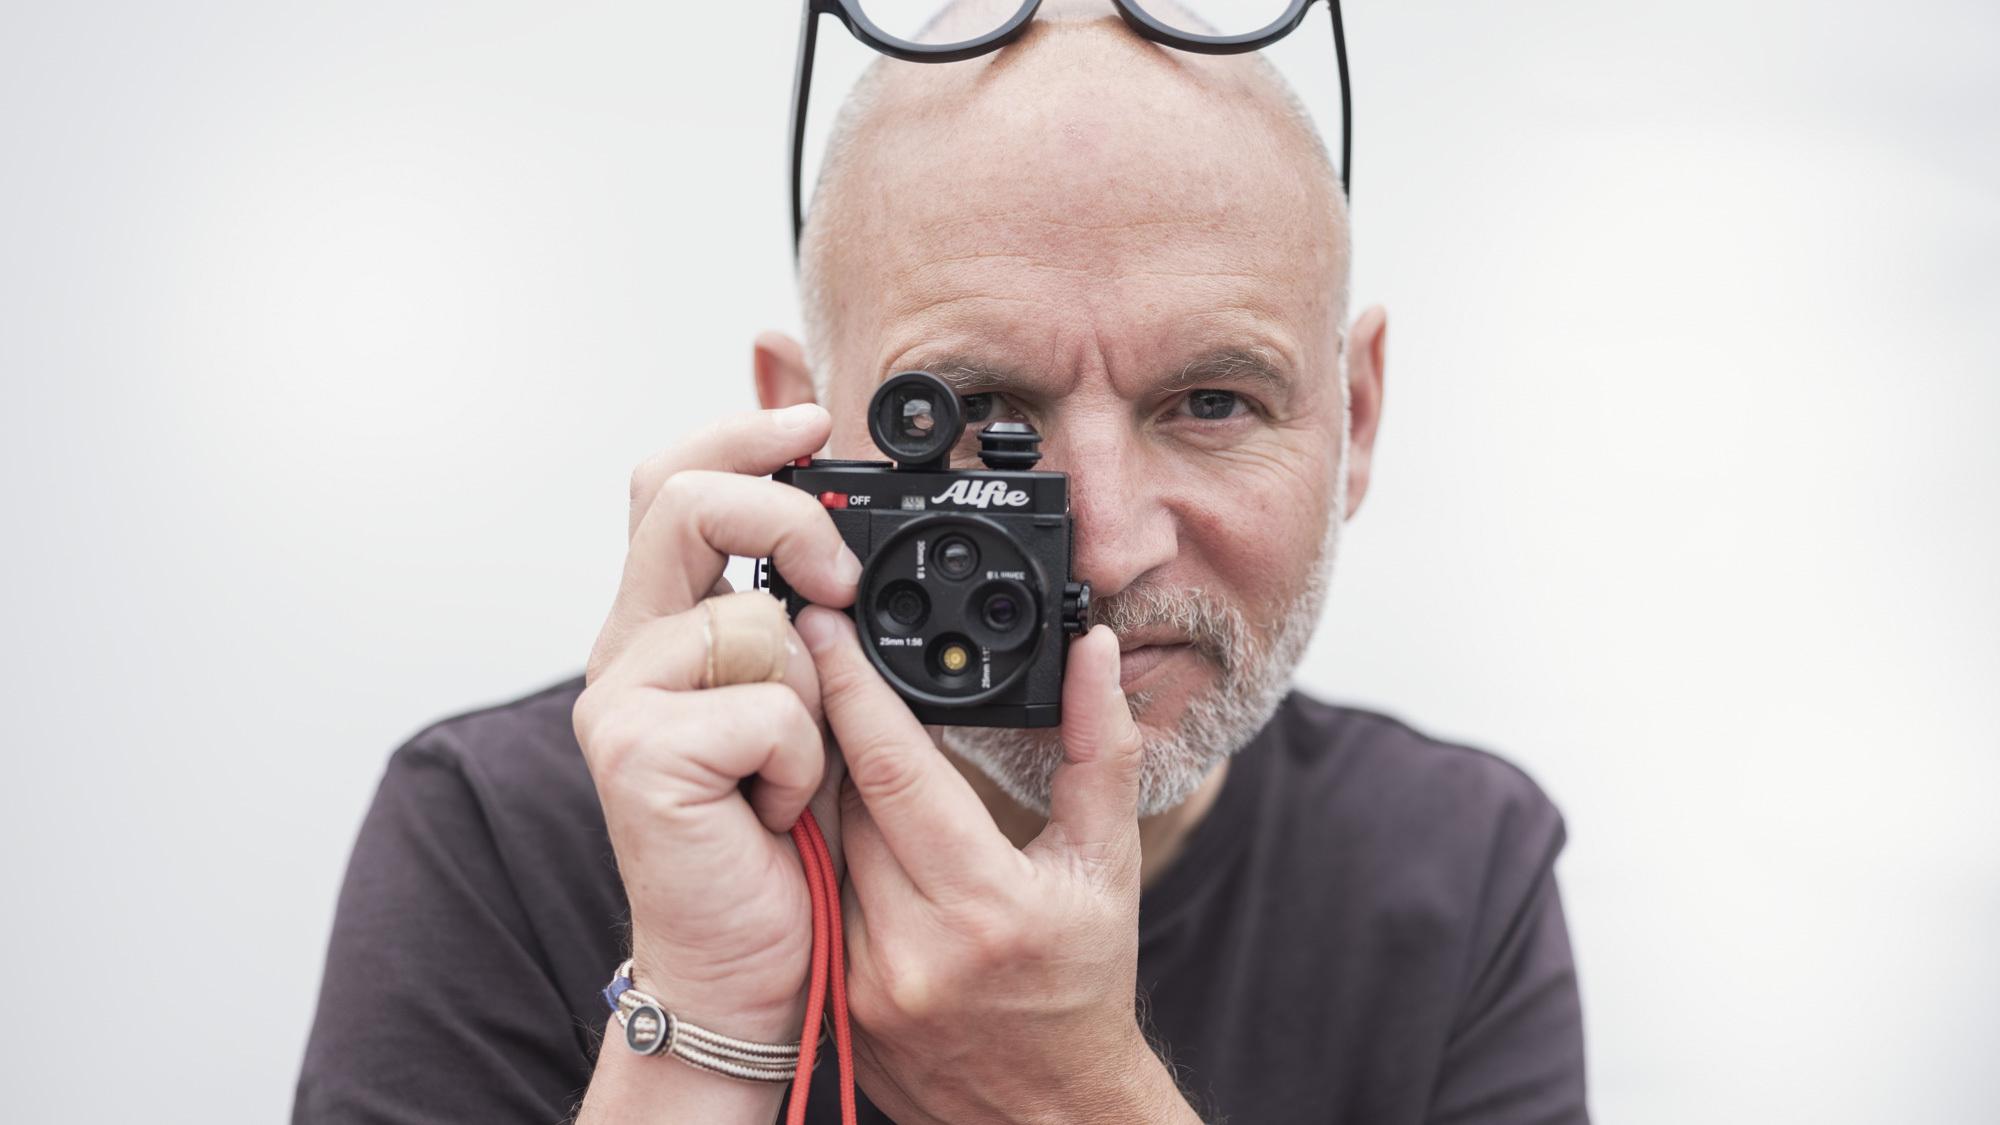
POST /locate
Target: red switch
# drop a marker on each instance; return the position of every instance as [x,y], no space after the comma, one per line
[833,499]
[804,462]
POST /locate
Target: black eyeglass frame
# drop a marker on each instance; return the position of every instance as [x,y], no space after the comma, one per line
[849,13]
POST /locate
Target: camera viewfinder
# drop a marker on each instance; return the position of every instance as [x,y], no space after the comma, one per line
[916,418]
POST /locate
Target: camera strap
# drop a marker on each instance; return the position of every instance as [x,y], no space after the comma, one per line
[828,973]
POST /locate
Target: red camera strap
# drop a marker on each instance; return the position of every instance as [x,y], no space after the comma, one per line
[829,964]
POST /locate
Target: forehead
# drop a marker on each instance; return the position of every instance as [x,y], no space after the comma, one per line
[1151,194]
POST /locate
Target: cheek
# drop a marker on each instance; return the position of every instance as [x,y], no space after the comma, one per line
[1257,539]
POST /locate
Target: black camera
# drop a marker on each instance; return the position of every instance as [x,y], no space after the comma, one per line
[965,603]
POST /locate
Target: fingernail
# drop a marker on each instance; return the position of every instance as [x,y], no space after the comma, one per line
[815,629]
[846,568]
[797,418]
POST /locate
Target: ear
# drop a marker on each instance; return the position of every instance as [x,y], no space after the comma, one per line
[1365,343]
[782,378]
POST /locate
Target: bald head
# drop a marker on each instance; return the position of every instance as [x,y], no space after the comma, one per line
[1081,147]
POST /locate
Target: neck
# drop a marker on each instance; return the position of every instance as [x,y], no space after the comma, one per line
[1162,837]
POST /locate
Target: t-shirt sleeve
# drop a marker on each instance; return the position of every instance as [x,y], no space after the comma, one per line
[1515,1052]
[437,1003]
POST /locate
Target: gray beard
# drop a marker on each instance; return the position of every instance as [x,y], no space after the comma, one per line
[1253,671]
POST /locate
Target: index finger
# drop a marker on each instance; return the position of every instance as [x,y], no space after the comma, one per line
[755,443]
[700,518]
[933,822]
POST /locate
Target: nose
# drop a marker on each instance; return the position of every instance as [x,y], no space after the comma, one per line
[1125,527]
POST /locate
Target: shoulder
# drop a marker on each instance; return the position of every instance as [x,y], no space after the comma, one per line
[510,780]
[1411,816]
[464,807]
[521,732]
[511,751]
[1396,905]
[477,918]
[1364,758]
[505,792]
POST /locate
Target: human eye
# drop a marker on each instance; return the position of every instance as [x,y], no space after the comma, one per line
[1212,405]
[978,407]
[988,406]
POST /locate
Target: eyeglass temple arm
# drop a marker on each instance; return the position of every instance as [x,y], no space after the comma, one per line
[1346,102]
[801,93]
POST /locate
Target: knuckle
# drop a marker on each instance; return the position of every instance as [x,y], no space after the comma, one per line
[907,992]
[912,994]
[604,652]
[765,728]
[838,675]
[739,728]
[772,716]
[799,727]
[680,489]
[885,777]
[611,738]
[581,719]
[647,476]
[800,508]
[797,516]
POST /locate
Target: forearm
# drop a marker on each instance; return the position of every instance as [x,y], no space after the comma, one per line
[631,1089]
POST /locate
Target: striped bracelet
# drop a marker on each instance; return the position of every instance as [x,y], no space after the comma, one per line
[652,1030]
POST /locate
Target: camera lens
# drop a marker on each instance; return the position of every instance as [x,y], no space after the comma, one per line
[1001,615]
[1001,612]
[902,608]
[905,607]
[956,557]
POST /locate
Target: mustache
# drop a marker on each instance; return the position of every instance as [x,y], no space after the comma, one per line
[1212,626]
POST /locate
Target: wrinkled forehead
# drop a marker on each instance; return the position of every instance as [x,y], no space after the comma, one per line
[1083,164]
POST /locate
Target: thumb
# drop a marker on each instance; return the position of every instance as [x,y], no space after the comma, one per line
[1094,799]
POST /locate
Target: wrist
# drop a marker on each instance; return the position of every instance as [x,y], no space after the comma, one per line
[725,1009]
[1124,1084]
[720,1003]
[1141,1089]
[628,1088]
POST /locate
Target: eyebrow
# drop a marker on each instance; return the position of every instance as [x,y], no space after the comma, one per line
[1231,365]
[970,375]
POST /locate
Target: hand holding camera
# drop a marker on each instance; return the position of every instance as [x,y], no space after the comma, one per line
[944,914]
[988,982]
[721,921]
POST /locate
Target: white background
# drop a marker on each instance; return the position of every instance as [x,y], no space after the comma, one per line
[328,335]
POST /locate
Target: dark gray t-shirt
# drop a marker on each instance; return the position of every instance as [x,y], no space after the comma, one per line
[1364,930]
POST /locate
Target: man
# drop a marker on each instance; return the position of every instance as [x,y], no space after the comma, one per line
[1199,899]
